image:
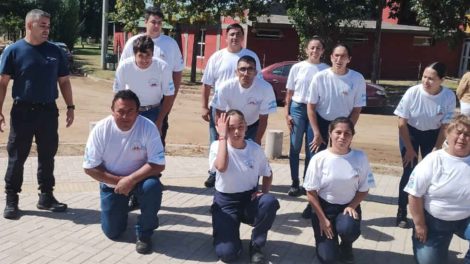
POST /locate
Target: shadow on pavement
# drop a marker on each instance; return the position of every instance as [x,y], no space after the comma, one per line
[176,219]
[193,190]
[199,210]
[381,199]
[77,215]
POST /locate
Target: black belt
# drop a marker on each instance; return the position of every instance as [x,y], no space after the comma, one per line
[33,105]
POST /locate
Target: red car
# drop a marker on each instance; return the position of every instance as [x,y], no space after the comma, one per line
[276,74]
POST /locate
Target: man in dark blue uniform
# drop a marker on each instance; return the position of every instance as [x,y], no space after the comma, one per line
[36,66]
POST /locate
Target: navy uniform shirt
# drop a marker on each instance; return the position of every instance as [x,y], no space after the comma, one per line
[35,70]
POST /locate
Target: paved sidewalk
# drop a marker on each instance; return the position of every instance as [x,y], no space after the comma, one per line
[185,232]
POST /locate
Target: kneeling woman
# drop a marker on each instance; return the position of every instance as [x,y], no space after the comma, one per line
[439,196]
[238,164]
[337,181]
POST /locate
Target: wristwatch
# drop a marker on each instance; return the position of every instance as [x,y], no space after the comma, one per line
[70,107]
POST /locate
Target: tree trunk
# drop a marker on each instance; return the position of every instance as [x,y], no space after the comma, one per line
[197,36]
[378,34]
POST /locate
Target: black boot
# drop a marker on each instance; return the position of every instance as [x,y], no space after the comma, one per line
[256,255]
[11,208]
[402,220]
[47,201]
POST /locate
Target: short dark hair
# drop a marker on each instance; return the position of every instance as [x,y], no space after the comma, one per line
[143,44]
[235,26]
[439,67]
[344,45]
[126,95]
[153,11]
[247,59]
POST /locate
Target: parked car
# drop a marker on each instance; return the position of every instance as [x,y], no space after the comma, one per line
[276,74]
[68,53]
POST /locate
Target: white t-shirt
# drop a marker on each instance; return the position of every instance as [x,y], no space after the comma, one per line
[222,64]
[336,95]
[245,166]
[299,79]
[254,101]
[123,152]
[337,178]
[149,84]
[444,183]
[425,111]
[165,48]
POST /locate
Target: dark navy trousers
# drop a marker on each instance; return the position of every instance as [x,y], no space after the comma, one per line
[343,225]
[28,121]
[423,141]
[229,210]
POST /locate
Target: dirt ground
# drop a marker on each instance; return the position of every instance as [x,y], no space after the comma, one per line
[188,133]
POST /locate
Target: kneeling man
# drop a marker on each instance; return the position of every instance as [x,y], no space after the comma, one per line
[125,154]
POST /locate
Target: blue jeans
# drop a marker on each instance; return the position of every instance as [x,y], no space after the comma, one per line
[344,226]
[114,208]
[423,141]
[229,210]
[436,248]
[213,136]
[301,129]
[151,114]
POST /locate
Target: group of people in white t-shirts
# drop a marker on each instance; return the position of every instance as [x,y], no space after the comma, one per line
[323,105]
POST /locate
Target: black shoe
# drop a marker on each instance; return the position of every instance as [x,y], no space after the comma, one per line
[47,201]
[11,208]
[402,220]
[210,182]
[256,255]
[346,253]
[143,245]
[133,203]
[294,191]
[307,213]
[302,190]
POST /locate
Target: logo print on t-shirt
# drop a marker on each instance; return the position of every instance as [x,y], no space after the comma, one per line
[253,101]
[153,83]
[137,146]
[249,163]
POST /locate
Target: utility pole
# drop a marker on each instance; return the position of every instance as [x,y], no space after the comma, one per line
[104,35]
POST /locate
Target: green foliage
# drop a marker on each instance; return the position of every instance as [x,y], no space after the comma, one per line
[90,17]
[329,19]
[443,17]
[198,12]
[65,25]
[128,13]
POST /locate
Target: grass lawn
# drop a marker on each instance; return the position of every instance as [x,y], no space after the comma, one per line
[88,60]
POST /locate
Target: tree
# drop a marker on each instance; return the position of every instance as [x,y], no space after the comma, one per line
[65,26]
[90,17]
[329,19]
[445,18]
[194,12]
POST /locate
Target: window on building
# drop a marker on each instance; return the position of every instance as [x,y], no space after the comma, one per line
[268,33]
[201,44]
[422,41]
[354,38]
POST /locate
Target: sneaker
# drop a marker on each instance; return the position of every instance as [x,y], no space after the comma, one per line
[307,213]
[294,191]
[210,182]
[302,190]
[402,220]
[256,255]
[143,245]
[11,208]
[133,203]
[346,253]
[47,201]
